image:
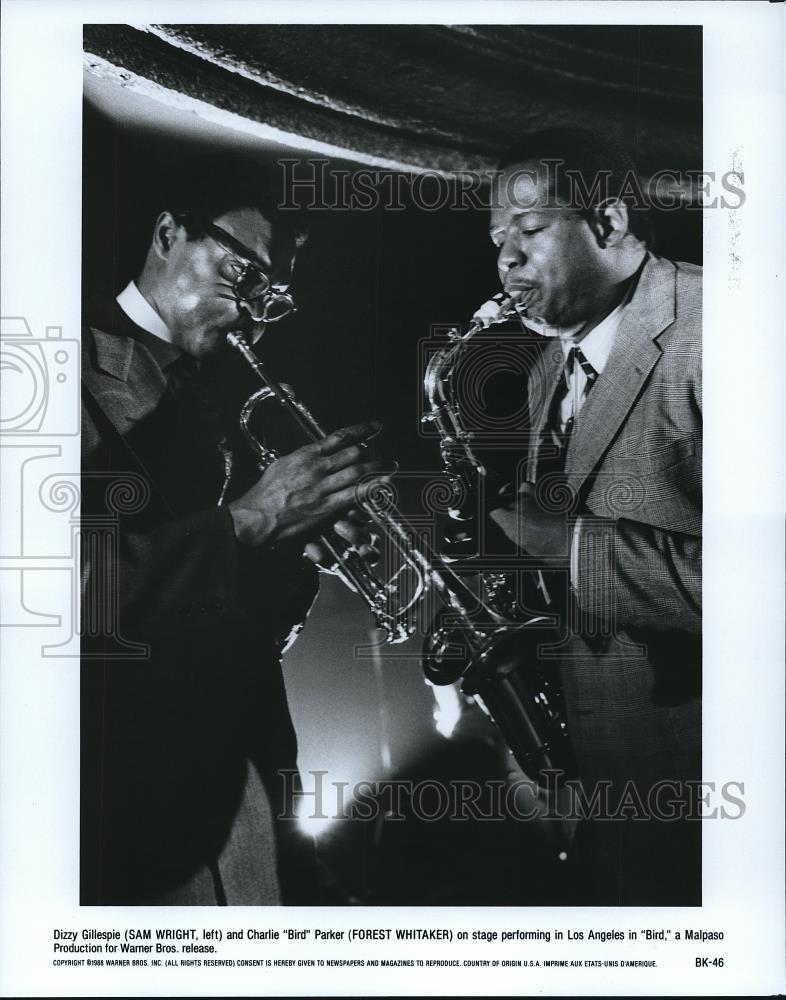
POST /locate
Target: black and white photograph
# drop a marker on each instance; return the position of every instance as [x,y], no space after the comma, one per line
[397,623]
[201,249]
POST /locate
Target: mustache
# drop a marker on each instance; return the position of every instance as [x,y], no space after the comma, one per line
[514,284]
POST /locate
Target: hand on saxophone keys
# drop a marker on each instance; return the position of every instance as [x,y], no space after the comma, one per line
[534,528]
[301,493]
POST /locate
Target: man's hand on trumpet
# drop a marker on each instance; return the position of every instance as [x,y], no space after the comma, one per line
[355,529]
[316,486]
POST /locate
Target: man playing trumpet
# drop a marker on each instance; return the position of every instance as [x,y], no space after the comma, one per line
[182,749]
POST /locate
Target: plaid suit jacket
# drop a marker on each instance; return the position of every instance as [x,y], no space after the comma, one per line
[630,662]
[633,465]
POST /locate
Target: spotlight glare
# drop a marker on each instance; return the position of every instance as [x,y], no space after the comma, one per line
[448,710]
[312,825]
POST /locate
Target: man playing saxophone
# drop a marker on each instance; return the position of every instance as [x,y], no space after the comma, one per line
[608,499]
[182,748]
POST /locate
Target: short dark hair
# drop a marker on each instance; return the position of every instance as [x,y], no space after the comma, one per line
[585,170]
[208,187]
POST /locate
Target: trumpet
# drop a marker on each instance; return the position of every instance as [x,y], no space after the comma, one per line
[474,640]
[391,610]
[390,614]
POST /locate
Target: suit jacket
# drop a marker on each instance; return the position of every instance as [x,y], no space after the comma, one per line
[635,457]
[630,660]
[168,740]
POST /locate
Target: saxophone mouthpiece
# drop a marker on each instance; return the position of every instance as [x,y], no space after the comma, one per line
[496,309]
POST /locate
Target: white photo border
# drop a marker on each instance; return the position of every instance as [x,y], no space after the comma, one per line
[744,538]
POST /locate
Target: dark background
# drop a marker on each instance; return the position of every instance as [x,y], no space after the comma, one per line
[369,285]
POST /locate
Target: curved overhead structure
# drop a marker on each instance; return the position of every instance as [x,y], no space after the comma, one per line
[420,97]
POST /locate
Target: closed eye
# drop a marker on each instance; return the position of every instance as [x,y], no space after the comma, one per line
[498,236]
[231,268]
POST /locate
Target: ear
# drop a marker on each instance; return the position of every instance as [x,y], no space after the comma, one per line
[609,223]
[165,234]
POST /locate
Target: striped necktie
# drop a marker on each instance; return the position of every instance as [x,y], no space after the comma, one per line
[567,399]
[565,404]
[549,478]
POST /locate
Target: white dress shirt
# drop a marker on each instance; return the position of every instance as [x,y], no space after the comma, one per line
[139,311]
[596,348]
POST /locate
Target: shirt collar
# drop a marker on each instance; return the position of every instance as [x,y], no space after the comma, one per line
[596,346]
[143,323]
[139,311]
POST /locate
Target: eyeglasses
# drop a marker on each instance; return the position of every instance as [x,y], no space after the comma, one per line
[251,287]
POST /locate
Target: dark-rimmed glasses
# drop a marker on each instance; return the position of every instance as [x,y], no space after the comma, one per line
[251,287]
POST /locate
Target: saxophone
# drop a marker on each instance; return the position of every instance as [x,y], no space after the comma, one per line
[498,663]
[476,638]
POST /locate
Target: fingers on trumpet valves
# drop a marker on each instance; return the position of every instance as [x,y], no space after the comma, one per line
[332,563]
[359,473]
[348,436]
[363,542]
[345,463]
[344,458]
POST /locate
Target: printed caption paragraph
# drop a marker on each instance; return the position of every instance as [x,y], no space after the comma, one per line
[379,947]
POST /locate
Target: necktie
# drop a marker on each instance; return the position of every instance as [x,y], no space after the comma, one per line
[569,396]
[550,485]
[566,402]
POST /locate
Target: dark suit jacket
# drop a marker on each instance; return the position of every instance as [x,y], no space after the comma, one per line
[631,663]
[167,739]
